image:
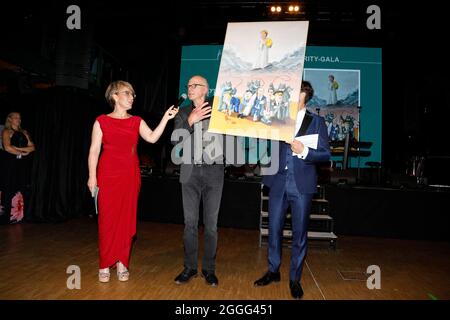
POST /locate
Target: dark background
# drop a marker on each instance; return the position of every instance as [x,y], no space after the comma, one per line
[44,67]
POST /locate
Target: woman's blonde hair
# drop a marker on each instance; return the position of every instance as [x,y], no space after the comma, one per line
[113,88]
[8,120]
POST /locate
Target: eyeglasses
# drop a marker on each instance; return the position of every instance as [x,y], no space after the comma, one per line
[194,85]
[127,93]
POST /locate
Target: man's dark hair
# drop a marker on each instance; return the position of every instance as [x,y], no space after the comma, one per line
[308,89]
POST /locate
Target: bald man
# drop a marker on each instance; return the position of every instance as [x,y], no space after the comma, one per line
[201,179]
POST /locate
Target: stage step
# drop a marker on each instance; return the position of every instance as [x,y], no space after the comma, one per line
[320,229]
[314,200]
[320,200]
[320,217]
[265,214]
[313,235]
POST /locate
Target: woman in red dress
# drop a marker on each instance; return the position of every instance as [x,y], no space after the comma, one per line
[117,175]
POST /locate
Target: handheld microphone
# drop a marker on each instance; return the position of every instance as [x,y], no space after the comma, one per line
[181,99]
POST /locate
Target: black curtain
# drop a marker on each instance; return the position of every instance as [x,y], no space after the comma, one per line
[63,119]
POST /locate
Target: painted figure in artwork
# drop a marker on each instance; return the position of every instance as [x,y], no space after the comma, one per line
[332,89]
[262,56]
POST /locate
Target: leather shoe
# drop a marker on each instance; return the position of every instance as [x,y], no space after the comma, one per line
[185,276]
[210,278]
[268,278]
[296,289]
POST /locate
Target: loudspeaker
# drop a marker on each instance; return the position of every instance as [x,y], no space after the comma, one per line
[404,181]
[437,170]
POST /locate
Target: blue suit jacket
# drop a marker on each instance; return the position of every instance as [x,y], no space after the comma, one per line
[304,169]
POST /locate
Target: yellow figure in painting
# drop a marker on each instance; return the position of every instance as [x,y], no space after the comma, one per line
[262,56]
[333,85]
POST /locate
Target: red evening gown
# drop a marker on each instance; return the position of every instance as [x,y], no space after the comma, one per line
[119,181]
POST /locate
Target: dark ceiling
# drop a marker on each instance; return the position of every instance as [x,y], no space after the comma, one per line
[131,28]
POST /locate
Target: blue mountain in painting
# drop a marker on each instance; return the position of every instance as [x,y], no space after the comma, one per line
[316,102]
[231,61]
[289,62]
[350,100]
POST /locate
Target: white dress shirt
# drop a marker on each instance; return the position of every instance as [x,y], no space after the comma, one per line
[298,124]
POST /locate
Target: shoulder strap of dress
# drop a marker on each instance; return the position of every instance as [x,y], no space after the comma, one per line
[101,120]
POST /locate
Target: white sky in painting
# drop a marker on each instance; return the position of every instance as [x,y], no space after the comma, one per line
[287,36]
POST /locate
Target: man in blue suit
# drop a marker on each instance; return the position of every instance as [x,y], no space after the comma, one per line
[294,185]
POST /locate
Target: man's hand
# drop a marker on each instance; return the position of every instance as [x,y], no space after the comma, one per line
[199,113]
[297,146]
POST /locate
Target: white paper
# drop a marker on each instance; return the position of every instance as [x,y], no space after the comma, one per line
[95,196]
[309,140]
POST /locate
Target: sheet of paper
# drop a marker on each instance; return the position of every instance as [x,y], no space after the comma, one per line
[310,141]
[95,196]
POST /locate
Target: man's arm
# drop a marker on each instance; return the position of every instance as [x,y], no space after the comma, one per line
[322,153]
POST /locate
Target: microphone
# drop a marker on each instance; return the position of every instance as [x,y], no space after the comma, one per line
[181,99]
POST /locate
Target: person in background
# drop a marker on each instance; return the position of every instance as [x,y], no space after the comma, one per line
[15,169]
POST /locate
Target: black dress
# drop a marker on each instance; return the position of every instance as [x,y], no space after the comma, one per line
[15,182]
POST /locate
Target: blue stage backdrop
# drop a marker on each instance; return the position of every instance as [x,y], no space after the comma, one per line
[344,78]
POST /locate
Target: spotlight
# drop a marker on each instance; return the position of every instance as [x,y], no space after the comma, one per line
[291,8]
[272,9]
[296,8]
[278,9]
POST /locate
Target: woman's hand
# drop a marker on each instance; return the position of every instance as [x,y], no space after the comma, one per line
[171,112]
[92,183]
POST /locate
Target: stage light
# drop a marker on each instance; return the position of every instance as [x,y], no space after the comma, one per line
[292,9]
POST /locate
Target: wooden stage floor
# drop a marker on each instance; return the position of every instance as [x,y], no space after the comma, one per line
[34,259]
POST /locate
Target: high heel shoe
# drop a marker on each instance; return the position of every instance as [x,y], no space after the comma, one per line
[104,276]
[123,275]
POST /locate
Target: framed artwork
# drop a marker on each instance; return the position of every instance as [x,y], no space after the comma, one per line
[336,98]
[259,80]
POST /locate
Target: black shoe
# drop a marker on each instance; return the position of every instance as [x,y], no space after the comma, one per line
[268,278]
[185,276]
[210,278]
[296,289]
